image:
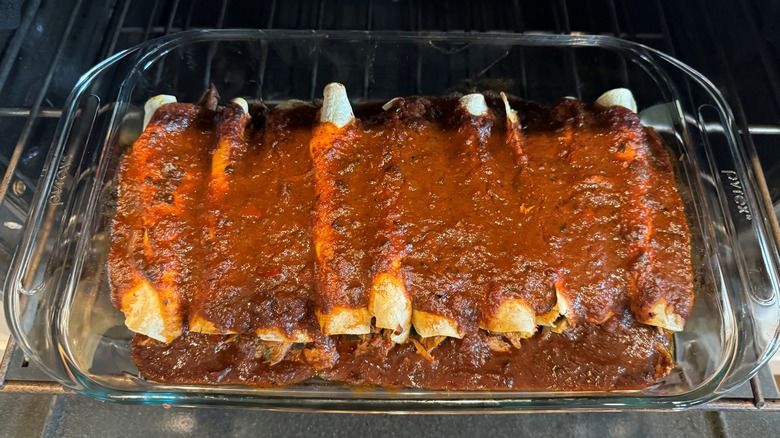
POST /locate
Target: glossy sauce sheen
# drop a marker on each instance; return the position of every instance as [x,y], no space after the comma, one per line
[591,204]
[463,215]
[348,216]
[259,261]
[155,233]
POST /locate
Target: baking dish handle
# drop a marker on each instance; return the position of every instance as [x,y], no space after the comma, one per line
[750,244]
[43,266]
[42,261]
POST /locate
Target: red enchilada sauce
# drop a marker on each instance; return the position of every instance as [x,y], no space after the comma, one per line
[590,203]
[259,261]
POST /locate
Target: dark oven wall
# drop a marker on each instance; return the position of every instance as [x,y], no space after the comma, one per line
[734,43]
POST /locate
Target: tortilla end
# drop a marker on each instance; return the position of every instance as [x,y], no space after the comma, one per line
[199,324]
[242,103]
[556,317]
[391,103]
[345,321]
[275,335]
[335,106]
[391,306]
[662,315]
[474,104]
[155,103]
[511,115]
[145,313]
[428,325]
[618,97]
[512,316]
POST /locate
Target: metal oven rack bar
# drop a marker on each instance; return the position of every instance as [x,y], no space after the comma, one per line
[132,21]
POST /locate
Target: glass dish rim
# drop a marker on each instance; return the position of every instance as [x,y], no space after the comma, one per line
[153,49]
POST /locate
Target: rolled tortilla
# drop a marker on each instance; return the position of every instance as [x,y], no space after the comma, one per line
[478,121]
[390,302]
[231,146]
[151,261]
[650,298]
[552,318]
[631,151]
[653,299]
[338,311]
[405,185]
[512,315]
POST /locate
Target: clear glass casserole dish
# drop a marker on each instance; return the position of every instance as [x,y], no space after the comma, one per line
[56,293]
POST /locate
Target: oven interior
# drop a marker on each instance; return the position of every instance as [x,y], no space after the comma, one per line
[735,45]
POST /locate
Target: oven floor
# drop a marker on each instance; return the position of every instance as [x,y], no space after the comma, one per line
[72,415]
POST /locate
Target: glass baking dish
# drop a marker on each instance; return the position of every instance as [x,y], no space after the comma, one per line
[56,292]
